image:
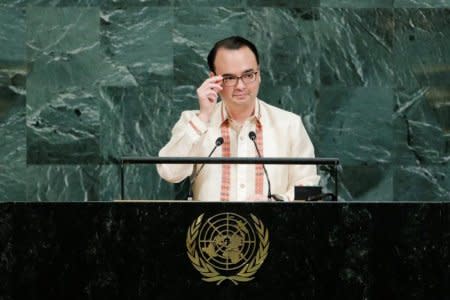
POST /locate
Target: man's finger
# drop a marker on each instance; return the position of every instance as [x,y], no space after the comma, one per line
[215,87]
[217,78]
[212,96]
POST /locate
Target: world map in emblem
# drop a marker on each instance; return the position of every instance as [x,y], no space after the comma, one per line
[227,241]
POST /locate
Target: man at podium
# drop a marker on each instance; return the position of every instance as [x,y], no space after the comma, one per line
[239,125]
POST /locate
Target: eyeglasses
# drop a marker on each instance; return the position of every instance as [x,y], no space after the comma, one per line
[230,80]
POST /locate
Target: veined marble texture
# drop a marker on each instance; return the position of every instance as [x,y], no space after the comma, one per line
[356,46]
[84,82]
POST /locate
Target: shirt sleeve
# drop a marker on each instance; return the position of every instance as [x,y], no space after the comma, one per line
[301,147]
[186,134]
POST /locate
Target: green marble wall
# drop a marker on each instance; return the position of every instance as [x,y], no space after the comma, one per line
[83,82]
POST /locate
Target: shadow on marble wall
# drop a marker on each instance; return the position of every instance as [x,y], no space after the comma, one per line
[84,82]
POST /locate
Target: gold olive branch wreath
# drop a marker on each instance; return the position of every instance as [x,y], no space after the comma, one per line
[209,273]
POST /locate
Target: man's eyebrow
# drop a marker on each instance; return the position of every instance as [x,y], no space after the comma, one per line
[246,71]
[249,70]
[228,74]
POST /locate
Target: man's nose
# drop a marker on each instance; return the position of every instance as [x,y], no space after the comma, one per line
[240,84]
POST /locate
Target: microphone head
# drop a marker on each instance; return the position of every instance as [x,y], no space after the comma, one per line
[252,135]
[219,141]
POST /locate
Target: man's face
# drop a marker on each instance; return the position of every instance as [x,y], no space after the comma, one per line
[237,63]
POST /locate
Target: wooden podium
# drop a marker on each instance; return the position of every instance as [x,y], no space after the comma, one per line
[197,250]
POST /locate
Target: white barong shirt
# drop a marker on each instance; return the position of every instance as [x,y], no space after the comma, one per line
[279,134]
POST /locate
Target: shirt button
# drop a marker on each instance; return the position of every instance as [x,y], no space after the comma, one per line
[242,185]
[241,138]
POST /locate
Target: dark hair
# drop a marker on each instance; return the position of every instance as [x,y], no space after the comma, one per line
[232,43]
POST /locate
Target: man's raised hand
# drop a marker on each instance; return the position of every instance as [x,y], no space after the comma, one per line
[207,95]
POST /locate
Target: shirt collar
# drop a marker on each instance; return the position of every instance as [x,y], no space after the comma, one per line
[225,116]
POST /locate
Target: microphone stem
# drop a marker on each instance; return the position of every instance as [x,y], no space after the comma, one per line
[194,177]
[198,172]
[269,192]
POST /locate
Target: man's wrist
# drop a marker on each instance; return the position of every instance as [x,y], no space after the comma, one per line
[198,126]
[204,117]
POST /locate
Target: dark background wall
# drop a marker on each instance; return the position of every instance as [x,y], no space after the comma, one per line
[83,82]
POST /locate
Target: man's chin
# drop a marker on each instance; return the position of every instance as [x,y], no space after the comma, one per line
[241,99]
[247,100]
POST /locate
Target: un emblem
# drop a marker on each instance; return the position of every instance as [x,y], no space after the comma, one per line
[227,247]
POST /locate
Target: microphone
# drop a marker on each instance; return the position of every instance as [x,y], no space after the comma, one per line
[252,136]
[218,143]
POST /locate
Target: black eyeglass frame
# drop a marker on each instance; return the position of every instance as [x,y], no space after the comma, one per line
[237,78]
